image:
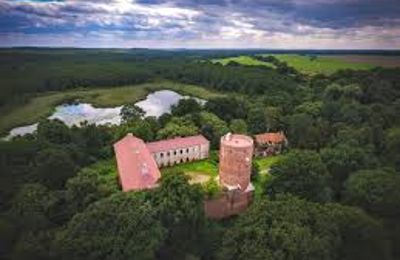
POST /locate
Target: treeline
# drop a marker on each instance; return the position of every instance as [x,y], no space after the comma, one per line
[25,73]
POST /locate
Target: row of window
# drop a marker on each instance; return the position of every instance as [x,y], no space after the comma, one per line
[181,151]
[172,163]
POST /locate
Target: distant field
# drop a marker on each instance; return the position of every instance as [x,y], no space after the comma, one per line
[42,105]
[243,60]
[320,64]
[383,61]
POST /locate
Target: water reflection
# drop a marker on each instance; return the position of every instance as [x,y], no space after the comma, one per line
[155,104]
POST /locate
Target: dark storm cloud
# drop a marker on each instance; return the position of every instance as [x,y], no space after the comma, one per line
[324,13]
[207,20]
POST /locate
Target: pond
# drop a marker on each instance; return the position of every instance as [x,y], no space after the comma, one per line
[155,104]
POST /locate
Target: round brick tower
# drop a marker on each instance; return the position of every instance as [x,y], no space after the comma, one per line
[235,155]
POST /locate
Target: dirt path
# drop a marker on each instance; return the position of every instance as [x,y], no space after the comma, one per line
[197,178]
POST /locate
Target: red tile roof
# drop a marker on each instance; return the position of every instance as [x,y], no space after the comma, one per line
[176,143]
[136,167]
[274,138]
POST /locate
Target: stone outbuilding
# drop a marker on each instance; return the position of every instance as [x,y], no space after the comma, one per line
[270,143]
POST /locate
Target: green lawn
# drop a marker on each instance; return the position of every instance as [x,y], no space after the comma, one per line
[42,105]
[312,65]
[244,60]
[259,183]
[205,167]
[261,180]
[264,163]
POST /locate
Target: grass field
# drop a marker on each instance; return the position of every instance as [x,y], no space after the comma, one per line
[243,60]
[263,177]
[376,60]
[199,172]
[204,167]
[266,162]
[312,65]
[42,105]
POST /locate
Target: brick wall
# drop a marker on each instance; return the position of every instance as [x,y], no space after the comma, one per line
[229,203]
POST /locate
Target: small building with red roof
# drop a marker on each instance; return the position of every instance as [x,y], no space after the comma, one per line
[270,143]
[137,169]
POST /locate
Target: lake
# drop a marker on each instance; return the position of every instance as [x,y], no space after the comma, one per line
[155,104]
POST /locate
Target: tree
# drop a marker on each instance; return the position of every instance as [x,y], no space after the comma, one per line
[377,191]
[138,127]
[290,228]
[178,126]
[274,118]
[53,131]
[31,206]
[306,132]
[352,92]
[16,161]
[228,108]
[301,173]
[89,186]
[123,226]
[256,121]
[153,123]
[93,140]
[131,112]
[34,246]
[180,209]
[311,108]
[344,159]
[238,126]
[185,106]
[212,127]
[54,167]
[333,92]
[393,147]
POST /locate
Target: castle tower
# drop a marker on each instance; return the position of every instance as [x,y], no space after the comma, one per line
[236,152]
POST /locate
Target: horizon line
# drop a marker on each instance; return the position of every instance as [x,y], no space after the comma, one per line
[191,48]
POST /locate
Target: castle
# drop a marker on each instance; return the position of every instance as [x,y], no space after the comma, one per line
[139,162]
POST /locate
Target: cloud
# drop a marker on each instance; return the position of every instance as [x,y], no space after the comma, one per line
[203,23]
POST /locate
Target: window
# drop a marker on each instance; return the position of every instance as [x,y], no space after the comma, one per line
[181,151]
[167,153]
[187,150]
[161,155]
[174,152]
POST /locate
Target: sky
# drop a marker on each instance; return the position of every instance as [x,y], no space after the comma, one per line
[200,24]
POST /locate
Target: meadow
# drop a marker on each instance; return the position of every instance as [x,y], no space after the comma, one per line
[327,65]
[318,64]
[243,60]
[202,171]
[42,105]
[377,60]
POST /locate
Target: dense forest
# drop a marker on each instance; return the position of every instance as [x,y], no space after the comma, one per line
[335,194]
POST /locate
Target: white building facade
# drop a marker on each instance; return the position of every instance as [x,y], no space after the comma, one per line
[179,150]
